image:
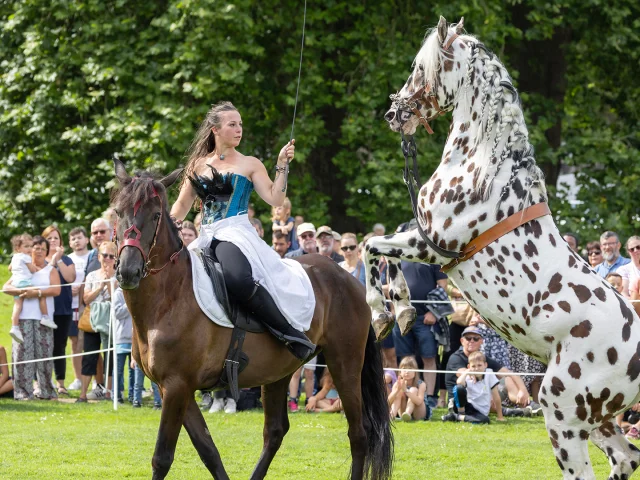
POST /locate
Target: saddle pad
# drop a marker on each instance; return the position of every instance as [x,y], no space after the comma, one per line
[203,291]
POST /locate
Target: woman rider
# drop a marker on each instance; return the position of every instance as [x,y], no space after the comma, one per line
[277,291]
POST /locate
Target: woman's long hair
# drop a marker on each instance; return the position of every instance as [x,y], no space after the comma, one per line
[205,142]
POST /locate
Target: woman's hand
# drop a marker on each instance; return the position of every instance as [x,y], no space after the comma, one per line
[30,293]
[57,256]
[287,152]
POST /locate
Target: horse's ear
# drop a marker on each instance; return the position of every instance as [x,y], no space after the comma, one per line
[460,26]
[121,172]
[442,30]
[171,178]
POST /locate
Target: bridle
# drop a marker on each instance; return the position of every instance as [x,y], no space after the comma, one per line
[135,241]
[426,96]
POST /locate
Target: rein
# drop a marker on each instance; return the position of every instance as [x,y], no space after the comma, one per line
[135,241]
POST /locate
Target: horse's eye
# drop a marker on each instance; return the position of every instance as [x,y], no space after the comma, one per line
[156,216]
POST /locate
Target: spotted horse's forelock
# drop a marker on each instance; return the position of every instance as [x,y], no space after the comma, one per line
[537,293]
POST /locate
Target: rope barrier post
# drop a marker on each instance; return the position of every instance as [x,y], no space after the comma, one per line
[112,334]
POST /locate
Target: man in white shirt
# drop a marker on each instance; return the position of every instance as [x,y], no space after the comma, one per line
[78,241]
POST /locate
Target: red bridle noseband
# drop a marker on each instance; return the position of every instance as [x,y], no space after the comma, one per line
[135,241]
[428,99]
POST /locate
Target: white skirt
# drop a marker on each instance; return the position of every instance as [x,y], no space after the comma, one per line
[284,279]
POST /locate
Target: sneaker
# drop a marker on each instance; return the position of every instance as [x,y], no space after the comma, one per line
[157,406]
[633,434]
[406,417]
[207,400]
[75,385]
[230,406]
[293,405]
[137,404]
[217,405]
[451,406]
[534,409]
[47,322]
[147,393]
[97,393]
[450,417]
[16,334]
[512,412]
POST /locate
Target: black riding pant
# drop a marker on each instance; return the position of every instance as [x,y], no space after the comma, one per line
[237,271]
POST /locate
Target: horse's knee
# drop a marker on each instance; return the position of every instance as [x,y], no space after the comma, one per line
[161,463]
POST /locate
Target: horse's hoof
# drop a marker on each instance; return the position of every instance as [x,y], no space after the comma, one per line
[406,319]
[382,327]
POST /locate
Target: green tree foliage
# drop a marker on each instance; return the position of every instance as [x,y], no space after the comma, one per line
[86,79]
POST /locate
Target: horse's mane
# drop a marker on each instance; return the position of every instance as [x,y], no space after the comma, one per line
[500,111]
[140,189]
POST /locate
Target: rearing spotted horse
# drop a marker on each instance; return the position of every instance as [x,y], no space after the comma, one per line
[486,203]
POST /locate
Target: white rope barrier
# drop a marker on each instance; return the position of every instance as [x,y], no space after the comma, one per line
[60,357]
[508,374]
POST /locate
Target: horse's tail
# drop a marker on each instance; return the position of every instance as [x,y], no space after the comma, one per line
[375,410]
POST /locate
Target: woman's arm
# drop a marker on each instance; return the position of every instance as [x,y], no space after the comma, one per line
[68,272]
[287,228]
[9,289]
[272,192]
[184,202]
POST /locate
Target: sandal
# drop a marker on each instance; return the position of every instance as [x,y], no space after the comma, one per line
[62,391]
[81,400]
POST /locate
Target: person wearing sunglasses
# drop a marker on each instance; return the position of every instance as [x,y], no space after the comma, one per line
[351,263]
[100,232]
[97,289]
[630,272]
[306,234]
[594,254]
[472,340]
[610,245]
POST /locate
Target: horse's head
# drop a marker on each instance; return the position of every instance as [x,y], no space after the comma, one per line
[438,74]
[141,206]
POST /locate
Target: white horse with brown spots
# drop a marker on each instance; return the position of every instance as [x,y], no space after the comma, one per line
[486,203]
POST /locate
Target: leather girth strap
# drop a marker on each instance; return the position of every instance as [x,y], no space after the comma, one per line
[507,225]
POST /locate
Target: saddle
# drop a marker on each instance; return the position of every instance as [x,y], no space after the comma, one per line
[242,321]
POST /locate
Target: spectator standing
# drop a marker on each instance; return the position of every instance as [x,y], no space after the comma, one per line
[38,339]
[324,240]
[284,223]
[281,243]
[188,232]
[63,313]
[572,241]
[78,242]
[306,233]
[22,270]
[139,386]
[630,272]
[378,229]
[97,290]
[422,280]
[337,238]
[123,342]
[610,244]
[257,224]
[594,254]
[351,263]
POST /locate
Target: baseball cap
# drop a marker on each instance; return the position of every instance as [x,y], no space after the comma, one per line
[305,227]
[475,330]
[337,237]
[324,229]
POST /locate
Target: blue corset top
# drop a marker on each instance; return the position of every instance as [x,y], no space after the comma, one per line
[236,204]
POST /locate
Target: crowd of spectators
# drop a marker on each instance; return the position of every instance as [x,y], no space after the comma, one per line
[446,336]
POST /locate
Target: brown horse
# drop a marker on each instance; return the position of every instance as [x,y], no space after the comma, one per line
[181,350]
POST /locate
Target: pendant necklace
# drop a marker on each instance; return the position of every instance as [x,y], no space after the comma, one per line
[221,157]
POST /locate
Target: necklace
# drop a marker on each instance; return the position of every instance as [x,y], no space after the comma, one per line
[222,157]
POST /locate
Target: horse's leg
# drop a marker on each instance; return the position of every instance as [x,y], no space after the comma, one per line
[569,435]
[346,374]
[175,402]
[201,438]
[399,294]
[624,457]
[401,246]
[276,423]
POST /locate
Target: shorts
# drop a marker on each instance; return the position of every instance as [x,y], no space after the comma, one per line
[24,284]
[387,342]
[419,341]
[311,364]
[73,326]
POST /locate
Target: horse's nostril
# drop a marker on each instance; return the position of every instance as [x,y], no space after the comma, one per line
[390,115]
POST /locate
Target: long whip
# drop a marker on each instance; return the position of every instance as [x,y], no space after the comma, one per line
[295,105]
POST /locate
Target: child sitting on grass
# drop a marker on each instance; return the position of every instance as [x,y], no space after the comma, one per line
[326,400]
[408,394]
[475,389]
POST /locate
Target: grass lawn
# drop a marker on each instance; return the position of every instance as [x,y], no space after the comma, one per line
[61,440]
